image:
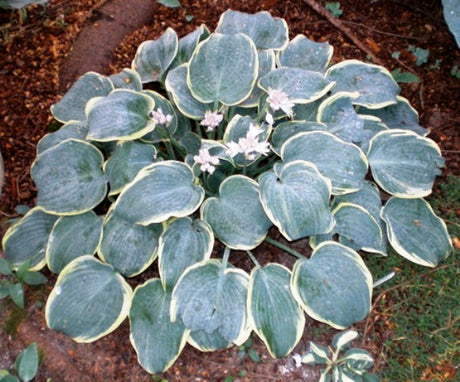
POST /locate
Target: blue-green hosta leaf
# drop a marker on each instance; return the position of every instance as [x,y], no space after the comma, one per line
[212,298]
[176,85]
[122,115]
[338,114]
[367,197]
[183,243]
[213,77]
[403,163]
[308,112]
[157,341]
[325,289]
[72,105]
[372,126]
[127,79]
[278,319]
[398,116]
[70,130]
[375,85]
[69,178]
[154,57]
[266,31]
[208,341]
[343,163]
[160,191]
[306,54]
[187,45]
[451,11]
[358,229]
[36,226]
[128,158]
[286,130]
[295,196]
[238,128]
[88,301]
[72,237]
[236,215]
[300,85]
[129,248]
[415,232]
[163,110]
[266,60]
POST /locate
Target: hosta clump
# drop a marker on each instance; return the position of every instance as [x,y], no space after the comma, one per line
[251,131]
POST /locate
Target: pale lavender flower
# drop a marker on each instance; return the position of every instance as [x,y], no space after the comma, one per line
[206,160]
[160,118]
[211,120]
[249,145]
[280,100]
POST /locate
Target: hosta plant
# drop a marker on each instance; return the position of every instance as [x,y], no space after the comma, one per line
[249,133]
[342,363]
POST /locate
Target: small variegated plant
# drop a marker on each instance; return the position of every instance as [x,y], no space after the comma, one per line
[253,133]
[351,366]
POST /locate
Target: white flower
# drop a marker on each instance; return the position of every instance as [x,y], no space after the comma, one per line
[269,119]
[206,160]
[250,145]
[159,117]
[280,100]
[211,120]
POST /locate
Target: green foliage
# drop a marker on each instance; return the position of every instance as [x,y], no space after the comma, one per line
[26,366]
[334,8]
[454,72]
[13,284]
[353,365]
[420,54]
[246,138]
[404,77]
[170,3]
[247,350]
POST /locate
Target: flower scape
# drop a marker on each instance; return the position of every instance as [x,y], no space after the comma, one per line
[253,133]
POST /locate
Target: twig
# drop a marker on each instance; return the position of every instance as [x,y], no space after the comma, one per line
[344,29]
[381,32]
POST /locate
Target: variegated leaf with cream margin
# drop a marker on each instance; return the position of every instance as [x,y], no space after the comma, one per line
[200,300]
[375,84]
[69,178]
[156,339]
[88,301]
[160,191]
[36,226]
[415,232]
[404,163]
[323,287]
[213,78]
[278,319]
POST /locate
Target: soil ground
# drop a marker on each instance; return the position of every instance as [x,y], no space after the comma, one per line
[44,50]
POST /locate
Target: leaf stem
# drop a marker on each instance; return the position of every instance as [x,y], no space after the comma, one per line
[253,258]
[284,248]
[225,257]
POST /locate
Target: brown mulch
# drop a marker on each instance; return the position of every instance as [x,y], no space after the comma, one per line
[35,66]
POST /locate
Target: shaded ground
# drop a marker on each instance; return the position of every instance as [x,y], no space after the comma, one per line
[45,53]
